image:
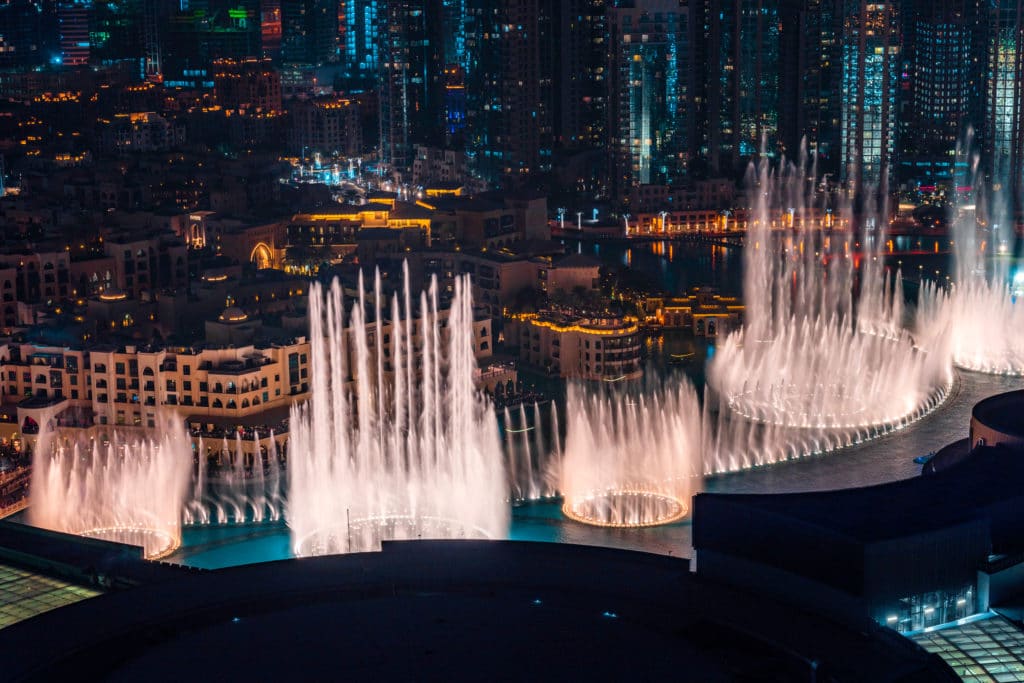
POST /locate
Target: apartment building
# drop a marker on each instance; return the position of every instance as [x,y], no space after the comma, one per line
[577,347]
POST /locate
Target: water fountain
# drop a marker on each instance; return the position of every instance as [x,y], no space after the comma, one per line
[128,487]
[246,490]
[532,474]
[822,360]
[395,442]
[985,320]
[632,456]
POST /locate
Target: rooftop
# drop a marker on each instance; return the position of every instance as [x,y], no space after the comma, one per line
[986,649]
[25,594]
[901,508]
[1002,412]
[455,610]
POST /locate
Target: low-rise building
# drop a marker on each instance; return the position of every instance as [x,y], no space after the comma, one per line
[703,310]
[572,346]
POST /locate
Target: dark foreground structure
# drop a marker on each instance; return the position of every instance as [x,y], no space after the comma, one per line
[454,611]
[911,554]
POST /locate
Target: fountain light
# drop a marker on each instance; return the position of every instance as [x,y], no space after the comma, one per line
[129,487]
[631,454]
[832,360]
[420,457]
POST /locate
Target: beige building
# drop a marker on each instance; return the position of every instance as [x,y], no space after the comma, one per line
[212,388]
[705,312]
[575,347]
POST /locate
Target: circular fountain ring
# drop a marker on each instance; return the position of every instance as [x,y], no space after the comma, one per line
[755,406]
[336,539]
[1009,369]
[155,543]
[630,508]
[935,398]
[763,407]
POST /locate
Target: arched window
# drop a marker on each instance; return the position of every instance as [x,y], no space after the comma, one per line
[217,403]
[147,372]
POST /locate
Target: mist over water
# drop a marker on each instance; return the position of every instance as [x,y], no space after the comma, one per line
[981,311]
[130,488]
[823,360]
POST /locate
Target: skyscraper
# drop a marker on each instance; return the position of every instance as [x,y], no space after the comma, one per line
[1002,135]
[648,93]
[580,56]
[870,61]
[309,31]
[944,56]
[411,79]
[201,31]
[509,88]
[73,21]
[359,38]
[743,87]
[28,34]
[810,80]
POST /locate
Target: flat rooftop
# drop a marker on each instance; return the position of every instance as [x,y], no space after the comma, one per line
[897,509]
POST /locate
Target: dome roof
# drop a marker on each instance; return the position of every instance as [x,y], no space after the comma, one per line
[113,294]
[233,315]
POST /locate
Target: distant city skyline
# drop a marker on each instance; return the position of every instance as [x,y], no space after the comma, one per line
[598,96]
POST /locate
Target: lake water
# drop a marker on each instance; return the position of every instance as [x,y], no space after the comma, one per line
[676,268]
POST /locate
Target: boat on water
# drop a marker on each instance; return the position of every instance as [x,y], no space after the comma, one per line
[680,358]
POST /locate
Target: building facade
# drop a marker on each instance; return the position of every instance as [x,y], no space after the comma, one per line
[871,68]
[595,349]
[649,101]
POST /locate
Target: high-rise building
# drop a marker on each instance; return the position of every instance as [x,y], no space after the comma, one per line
[28,34]
[870,60]
[454,38]
[743,81]
[328,125]
[309,31]
[73,22]
[201,31]
[648,94]
[270,27]
[944,56]
[810,81]
[454,102]
[1002,133]
[411,79]
[509,80]
[580,58]
[359,27]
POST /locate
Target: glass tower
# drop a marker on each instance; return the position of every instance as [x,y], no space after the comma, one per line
[648,96]
[1002,133]
[870,53]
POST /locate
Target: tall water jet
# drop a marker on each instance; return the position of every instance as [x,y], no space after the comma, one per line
[129,487]
[395,443]
[632,456]
[822,360]
[985,319]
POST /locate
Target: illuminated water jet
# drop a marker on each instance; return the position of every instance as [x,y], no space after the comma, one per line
[130,488]
[395,442]
[632,454]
